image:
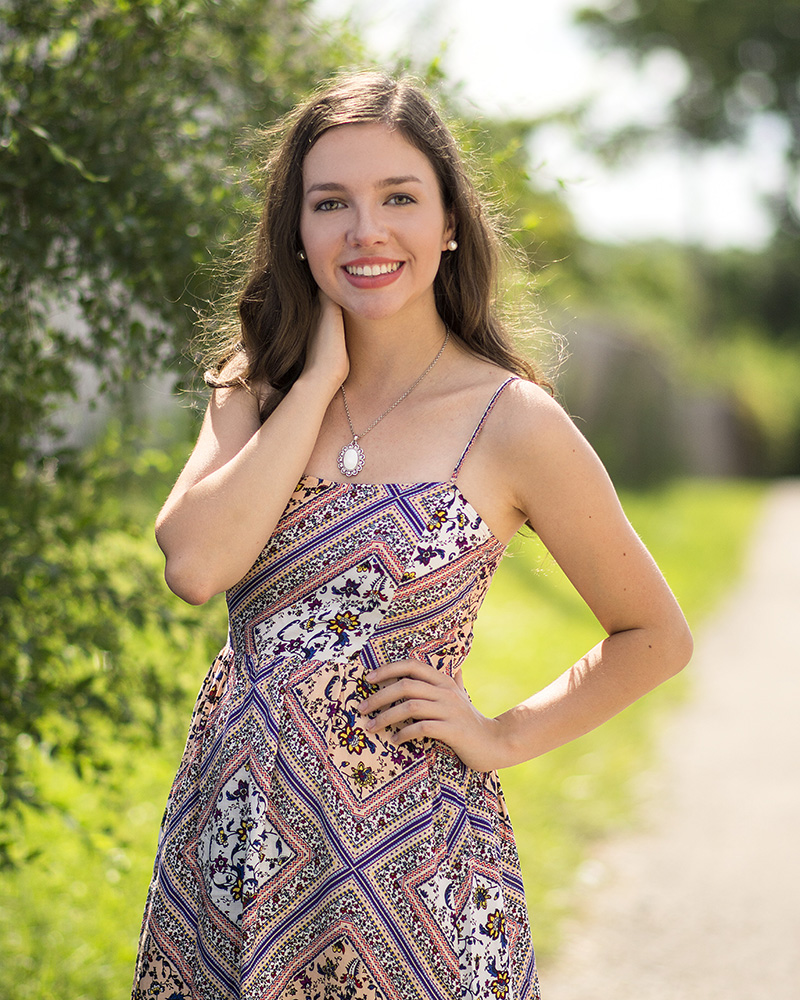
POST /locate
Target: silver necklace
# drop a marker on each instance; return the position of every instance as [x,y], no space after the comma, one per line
[351,457]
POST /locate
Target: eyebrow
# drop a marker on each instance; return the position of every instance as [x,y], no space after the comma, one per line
[386,182]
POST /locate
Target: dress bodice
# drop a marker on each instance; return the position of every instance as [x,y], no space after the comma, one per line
[389,570]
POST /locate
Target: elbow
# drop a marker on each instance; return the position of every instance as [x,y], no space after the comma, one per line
[665,650]
[188,588]
[183,578]
[681,647]
[197,572]
[187,583]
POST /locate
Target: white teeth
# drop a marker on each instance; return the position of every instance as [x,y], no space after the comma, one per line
[371,270]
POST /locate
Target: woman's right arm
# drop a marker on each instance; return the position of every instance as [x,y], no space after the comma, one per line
[227,501]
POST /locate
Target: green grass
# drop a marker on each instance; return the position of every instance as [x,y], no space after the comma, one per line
[70,916]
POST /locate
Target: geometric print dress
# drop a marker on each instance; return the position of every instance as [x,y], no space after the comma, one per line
[301,856]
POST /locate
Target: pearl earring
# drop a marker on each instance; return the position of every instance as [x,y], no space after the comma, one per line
[301,255]
[452,245]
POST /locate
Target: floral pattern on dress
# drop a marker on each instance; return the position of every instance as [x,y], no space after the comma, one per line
[302,856]
[240,850]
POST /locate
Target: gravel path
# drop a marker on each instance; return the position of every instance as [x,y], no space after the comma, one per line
[703,901]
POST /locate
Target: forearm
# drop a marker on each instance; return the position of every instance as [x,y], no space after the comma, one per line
[212,532]
[606,680]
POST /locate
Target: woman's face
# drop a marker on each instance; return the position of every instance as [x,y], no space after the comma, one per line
[372,222]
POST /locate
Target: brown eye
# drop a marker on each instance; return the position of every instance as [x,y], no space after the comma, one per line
[328,205]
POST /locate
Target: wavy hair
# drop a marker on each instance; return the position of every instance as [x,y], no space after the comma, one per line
[277,306]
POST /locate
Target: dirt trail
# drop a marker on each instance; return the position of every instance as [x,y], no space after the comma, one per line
[703,901]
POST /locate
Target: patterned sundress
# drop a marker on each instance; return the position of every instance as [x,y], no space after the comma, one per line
[301,856]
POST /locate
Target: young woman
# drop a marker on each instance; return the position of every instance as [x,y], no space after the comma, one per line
[336,828]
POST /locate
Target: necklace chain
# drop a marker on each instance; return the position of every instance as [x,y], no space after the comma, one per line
[352,464]
[397,402]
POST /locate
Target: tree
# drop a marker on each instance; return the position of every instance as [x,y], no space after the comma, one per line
[743,62]
[117,121]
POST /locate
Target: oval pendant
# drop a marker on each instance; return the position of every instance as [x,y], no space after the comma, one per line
[351,459]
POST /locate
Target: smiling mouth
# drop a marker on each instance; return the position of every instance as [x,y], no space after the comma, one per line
[372,270]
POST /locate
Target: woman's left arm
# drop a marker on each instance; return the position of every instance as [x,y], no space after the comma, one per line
[559,484]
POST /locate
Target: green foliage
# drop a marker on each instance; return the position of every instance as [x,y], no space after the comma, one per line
[74,590]
[743,66]
[539,222]
[73,900]
[765,377]
[761,290]
[742,57]
[722,324]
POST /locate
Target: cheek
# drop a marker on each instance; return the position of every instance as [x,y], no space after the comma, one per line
[305,232]
[322,271]
[434,235]
[319,242]
[317,274]
[314,258]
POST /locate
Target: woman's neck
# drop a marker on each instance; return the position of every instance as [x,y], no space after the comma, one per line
[392,352]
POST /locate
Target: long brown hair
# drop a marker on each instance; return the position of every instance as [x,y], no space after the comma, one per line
[277,307]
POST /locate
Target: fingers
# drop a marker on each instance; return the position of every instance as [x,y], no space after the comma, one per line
[417,710]
[411,691]
[417,669]
[400,681]
[326,351]
[415,701]
[404,690]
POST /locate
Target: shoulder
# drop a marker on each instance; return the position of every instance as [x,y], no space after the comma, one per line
[524,415]
[528,418]
[243,399]
[235,386]
[236,401]
[542,456]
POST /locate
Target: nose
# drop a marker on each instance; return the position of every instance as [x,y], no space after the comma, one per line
[367,228]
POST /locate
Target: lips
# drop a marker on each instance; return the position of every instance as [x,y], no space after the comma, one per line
[372,273]
[373,270]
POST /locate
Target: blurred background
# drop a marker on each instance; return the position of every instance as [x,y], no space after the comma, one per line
[645,156]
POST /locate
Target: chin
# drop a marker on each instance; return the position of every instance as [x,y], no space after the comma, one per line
[372,311]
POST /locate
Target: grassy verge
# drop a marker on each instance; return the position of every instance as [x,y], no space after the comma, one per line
[70,915]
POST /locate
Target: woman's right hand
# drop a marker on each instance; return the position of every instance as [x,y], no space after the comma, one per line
[327,362]
[233,489]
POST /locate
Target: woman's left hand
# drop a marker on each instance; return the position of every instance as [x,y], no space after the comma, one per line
[424,702]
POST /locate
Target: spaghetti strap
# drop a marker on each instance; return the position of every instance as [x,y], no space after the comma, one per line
[482,421]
